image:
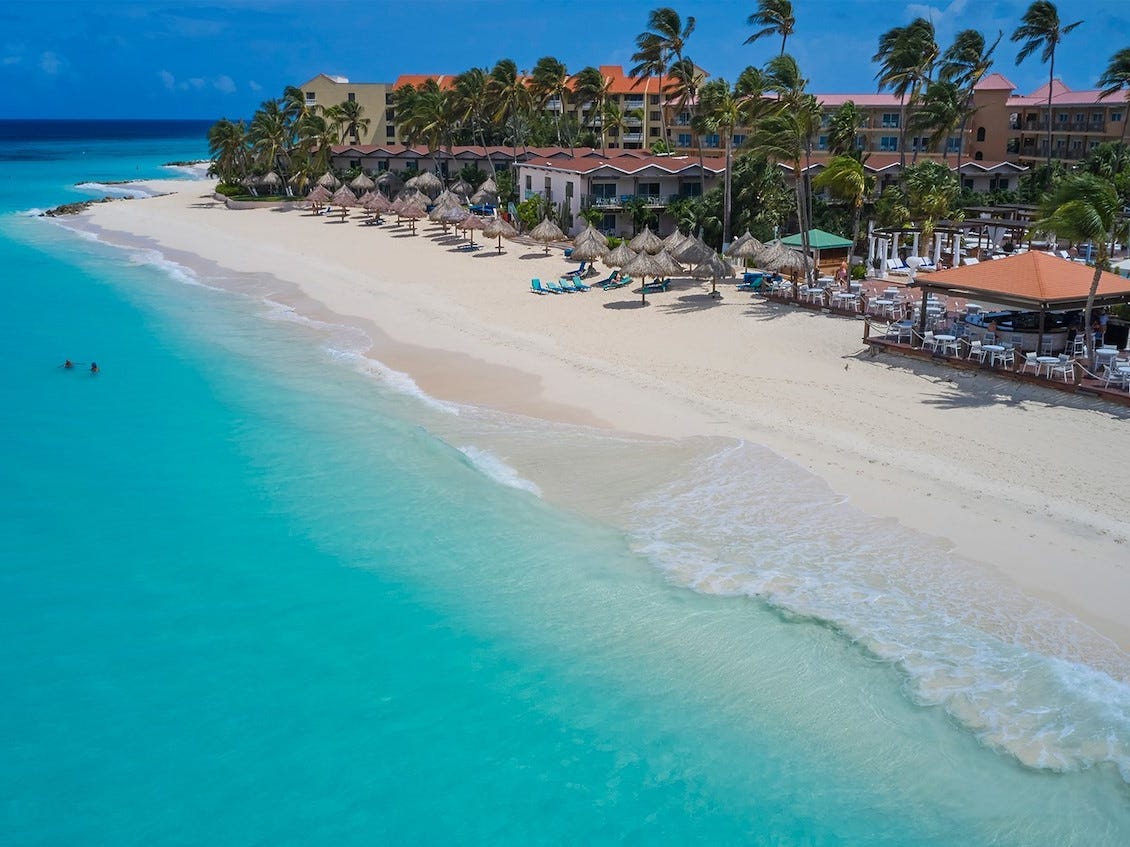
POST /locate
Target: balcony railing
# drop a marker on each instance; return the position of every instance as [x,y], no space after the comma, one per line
[656,201]
[633,136]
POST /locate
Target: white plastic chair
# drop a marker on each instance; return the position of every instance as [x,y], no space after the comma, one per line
[1030,362]
[929,342]
[1065,368]
[976,352]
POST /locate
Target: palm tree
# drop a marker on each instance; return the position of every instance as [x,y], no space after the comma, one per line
[404,107]
[1083,208]
[845,179]
[432,118]
[511,99]
[906,59]
[660,45]
[965,63]
[316,137]
[616,118]
[1115,78]
[1041,30]
[843,127]
[294,107]
[469,105]
[550,81]
[269,136]
[944,108]
[591,88]
[227,144]
[686,81]
[352,121]
[775,17]
[931,189]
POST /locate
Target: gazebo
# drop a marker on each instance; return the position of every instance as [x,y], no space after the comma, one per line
[1034,282]
[828,249]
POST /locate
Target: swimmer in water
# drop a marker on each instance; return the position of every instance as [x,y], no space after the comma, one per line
[68,364]
[94,367]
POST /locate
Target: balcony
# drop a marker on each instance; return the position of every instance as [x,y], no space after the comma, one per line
[655,201]
[633,137]
[633,122]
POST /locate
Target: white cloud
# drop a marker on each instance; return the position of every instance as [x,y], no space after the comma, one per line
[11,60]
[225,84]
[254,86]
[50,63]
[196,83]
[169,81]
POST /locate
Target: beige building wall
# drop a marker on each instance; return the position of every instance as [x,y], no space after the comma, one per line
[375,98]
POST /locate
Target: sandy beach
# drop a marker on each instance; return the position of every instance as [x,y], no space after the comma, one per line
[1027,481]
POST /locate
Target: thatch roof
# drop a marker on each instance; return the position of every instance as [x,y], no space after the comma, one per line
[621,254]
[389,180]
[460,186]
[344,197]
[746,247]
[694,251]
[451,214]
[675,241]
[329,181]
[713,268]
[320,194]
[547,231]
[426,182]
[659,263]
[498,228]
[361,183]
[588,249]
[376,202]
[271,180]
[647,241]
[471,221]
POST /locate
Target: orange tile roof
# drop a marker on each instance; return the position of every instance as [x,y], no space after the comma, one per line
[621,83]
[445,81]
[1033,276]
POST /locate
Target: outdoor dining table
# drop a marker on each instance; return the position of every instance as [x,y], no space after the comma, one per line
[946,343]
[1046,363]
[995,351]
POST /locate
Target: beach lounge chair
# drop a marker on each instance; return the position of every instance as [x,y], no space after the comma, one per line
[603,282]
[656,285]
[539,287]
[620,283]
[578,285]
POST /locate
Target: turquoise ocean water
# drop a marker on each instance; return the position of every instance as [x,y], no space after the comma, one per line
[253,590]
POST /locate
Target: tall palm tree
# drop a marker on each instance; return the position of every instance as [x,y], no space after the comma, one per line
[775,17]
[550,81]
[1083,208]
[843,127]
[269,136]
[591,88]
[433,119]
[316,137]
[658,47]
[965,63]
[686,80]
[511,99]
[724,108]
[351,120]
[944,108]
[1042,30]
[404,107]
[616,118]
[906,58]
[845,179]
[294,107]
[1116,78]
[469,105]
[227,144]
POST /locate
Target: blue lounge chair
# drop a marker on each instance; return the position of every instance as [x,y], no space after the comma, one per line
[555,287]
[578,285]
[538,287]
[606,280]
[656,285]
[620,283]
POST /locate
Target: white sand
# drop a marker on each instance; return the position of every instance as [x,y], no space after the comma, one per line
[1031,482]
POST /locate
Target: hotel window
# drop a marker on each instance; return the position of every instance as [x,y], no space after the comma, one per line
[822,142]
[1062,117]
[653,132]
[711,141]
[529,182]
[390,116]
[683,139]
[739,140]
[389,100]
[953,144]
[604,190]
[980,133]
[311,98]
[648,189]
[355,163]
[569,190]
[1116,117]
[654,100]
[390,131]
[653,116]
[382,165]
[1096,117]
[890,120]
[889,143]
[351,97]
[1080,117]
[608,224]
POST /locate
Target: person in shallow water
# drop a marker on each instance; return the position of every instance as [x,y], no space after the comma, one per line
[68,364]
[94,367]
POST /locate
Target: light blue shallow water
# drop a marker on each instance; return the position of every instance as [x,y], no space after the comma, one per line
[247,595]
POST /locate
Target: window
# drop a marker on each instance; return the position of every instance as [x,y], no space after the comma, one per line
[890,120]
[390,131]
[980,133]
[355,163]
[1115,117]
[684,119]
[389,98]
[569,190]
[683,139]
[382,165]
[978,156]
[653,116]
[967,184]
[604,190]
[1080,117]
[711,140]
[1002,183]
[653,132]
[1096,117]
[822,142]
[654,100]
[548,187]
[648,189]
[1062,117]
[311,98]
[690,189]
[889,143]
[739,140]
[529,182]
[608,224]
[351,97]
[390,115]
[953,144]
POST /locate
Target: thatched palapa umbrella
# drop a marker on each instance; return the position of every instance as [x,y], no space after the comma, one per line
[694,251]
[500,229]
[470,223]
[411,213]
[271,180]
[345,198]
[328,180]
[658,264]
[589,249]
[746,247]
[546,232]
[361,183]
[675,241]
[389,181]
[427,182]
[713,269]
[621,254]
[318,196]
[460,187]
[647,242]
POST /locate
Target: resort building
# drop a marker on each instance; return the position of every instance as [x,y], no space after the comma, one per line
[447,162]
[619,184]
[375,99]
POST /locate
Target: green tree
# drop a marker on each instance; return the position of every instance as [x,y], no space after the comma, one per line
[550,81]
[723,109]
[432,118]
[686,81]
[931,191]
[1042,30]
[658,47]
[511,101]
[469,105]
[775,17]
[1083,208]
[351,121]
[965,63]
[227,145]
[316,137]
[641,214]
[845,179]
[269,135]
[591,89]
[843,127]
[1116,78]
[906,59]
[945,108]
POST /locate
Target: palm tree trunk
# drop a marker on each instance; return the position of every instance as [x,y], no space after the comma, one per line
[1051,79]
[902,137]
[726,200]
[1089,338]
[784,38]
[856,220]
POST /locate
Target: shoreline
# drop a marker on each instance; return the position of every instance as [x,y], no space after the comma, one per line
[955,457]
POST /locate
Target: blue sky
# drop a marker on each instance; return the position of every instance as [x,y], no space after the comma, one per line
[195,59]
